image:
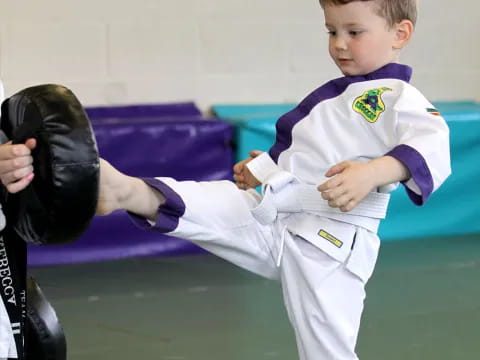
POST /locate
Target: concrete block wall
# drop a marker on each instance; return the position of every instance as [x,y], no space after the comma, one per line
[213,51]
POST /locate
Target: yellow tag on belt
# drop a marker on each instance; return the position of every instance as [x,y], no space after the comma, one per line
[338,243]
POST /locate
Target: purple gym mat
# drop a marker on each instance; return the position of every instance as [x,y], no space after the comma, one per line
[188,109]
[186,148]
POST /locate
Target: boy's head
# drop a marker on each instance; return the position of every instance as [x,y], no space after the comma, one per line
[393,11]
[367,34]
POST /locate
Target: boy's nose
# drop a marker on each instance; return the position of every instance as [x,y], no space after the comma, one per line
[340,43]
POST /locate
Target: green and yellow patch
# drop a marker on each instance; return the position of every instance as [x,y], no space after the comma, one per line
[370,104]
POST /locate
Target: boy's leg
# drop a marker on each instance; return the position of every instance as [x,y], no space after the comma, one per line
[216,216]
[324,302]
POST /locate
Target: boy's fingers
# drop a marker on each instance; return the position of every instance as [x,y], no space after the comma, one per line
[255,153]
[333,194]
[242,186]
[339,201]
[336,169]
[326,195]
[349,206]
[323,187]
[238,178]
[329,184]
[237,168]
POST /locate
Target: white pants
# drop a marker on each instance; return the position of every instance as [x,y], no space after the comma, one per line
[323,295]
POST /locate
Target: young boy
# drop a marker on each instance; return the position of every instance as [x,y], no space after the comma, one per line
[358,137]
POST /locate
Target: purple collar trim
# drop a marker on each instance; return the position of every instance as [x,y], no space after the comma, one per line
[389,71]
[329,90]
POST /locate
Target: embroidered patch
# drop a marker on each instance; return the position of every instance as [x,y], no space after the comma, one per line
[370,104]
[338,243]
[433,111]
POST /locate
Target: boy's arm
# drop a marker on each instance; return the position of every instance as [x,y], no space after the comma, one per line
[352,180]
[122,192]
[422,138]
[420,160]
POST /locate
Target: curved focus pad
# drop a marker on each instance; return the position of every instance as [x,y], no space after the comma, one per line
[45,339]
[61,200]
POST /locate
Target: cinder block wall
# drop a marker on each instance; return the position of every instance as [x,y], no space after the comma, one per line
[212,51]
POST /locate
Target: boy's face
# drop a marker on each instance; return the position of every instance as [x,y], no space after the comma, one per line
[359,39]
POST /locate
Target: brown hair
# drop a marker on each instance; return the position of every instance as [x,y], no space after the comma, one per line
[393,11]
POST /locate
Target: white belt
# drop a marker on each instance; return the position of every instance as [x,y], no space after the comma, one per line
[282,193]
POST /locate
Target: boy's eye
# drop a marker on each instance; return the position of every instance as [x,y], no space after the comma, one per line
[331,32]
[354,32]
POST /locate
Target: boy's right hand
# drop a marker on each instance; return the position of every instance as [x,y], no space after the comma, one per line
[242,176]
[16,169]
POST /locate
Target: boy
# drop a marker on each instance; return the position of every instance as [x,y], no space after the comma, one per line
[356,136]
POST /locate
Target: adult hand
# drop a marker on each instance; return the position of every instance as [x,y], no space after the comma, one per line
[16,169]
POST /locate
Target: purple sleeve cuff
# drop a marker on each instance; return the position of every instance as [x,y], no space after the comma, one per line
[419,170]
[169,212]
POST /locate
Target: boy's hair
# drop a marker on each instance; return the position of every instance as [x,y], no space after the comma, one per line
[393,11]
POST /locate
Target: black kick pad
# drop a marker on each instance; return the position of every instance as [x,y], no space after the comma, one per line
[59,204]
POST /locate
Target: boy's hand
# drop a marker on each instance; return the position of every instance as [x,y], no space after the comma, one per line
[351,183]
[242,176]
[16,169]
[353,180]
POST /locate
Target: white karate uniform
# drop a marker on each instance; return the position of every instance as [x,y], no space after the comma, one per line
[7,341]
[322,257]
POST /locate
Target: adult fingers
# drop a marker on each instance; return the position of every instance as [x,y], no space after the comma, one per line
[9,151]
[21,184]
[8,165]
[15,175]
[31,143]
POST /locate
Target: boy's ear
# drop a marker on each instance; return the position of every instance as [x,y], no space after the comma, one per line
[403,33]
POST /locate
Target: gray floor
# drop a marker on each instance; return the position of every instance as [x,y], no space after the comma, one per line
[423,303]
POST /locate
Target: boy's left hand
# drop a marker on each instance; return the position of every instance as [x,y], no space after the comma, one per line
[244,179]
[351,183]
